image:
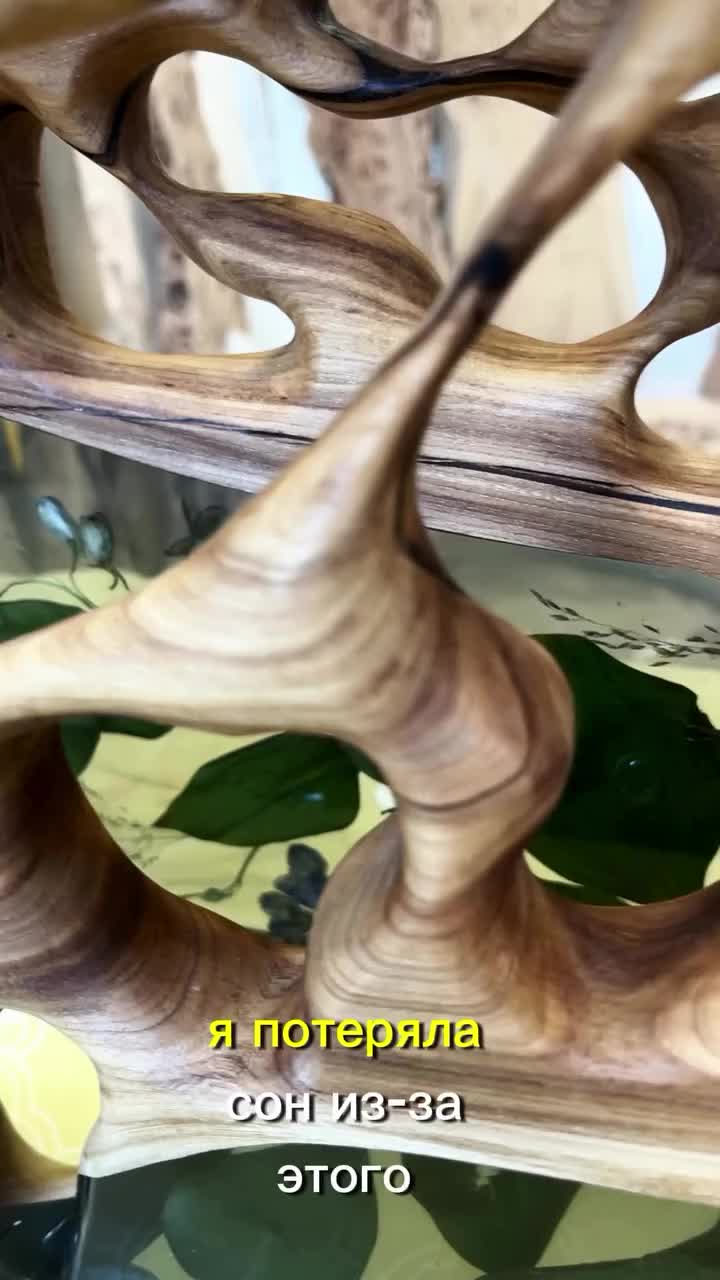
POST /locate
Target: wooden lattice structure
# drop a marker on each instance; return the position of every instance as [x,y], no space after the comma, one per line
[321,605]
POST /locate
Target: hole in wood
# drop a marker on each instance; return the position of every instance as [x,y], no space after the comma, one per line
[224,126]
[706,89]
[125,278]
[484,26]
[602,265]
[677,394]
[49,1093]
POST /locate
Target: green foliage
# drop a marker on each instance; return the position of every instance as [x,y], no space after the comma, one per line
[123,1215]
[496,1222]
[223,1216]
[226,1218]
[640,816]
[80,736]
[696,1259]
[286,786]
[133,728]
[18,617]
[639,820]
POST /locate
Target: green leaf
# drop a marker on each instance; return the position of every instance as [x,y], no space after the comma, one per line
[227,1218]
[18,617]
[283,787]
[122,1215]
[498,1222]
[134,728]
[696,1259]
[640,815]
[611,869]
[80,736]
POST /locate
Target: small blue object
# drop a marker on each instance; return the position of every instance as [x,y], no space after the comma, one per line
[56,519]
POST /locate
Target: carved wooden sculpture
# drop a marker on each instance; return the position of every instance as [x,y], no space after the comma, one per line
[522,425]
[320,606]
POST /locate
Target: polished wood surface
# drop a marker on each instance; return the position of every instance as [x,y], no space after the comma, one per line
[602,1043]
[531,441]
[321,606]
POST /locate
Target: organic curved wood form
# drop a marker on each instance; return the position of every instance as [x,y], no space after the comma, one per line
[522,425]
[91,55]
[320,606]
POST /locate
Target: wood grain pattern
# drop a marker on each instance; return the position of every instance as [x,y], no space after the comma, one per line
[321,606]
[568,293]
[386,166]
[523,427]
